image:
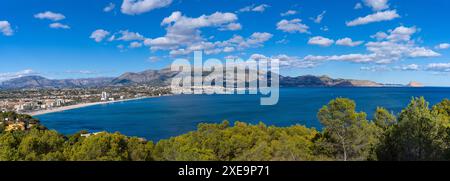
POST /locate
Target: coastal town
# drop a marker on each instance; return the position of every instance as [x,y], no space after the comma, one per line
[38,101]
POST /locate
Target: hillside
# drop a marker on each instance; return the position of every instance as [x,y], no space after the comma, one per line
[324,81]
[29,82]
[163,77]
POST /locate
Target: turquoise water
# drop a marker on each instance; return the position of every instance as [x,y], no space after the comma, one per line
[163,117]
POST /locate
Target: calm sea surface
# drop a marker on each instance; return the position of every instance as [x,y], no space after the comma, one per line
[164,117]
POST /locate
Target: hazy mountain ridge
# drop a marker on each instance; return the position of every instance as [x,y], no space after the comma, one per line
[163,77]
[151,77]
[324,81]
[34,81]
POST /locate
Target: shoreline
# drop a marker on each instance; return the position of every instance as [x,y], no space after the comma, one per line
[82,105]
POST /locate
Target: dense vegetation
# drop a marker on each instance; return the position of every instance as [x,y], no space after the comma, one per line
[417,133]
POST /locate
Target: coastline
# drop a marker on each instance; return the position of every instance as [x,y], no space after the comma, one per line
[77,106]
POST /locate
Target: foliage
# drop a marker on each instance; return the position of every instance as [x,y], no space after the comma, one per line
[347,134]
[384,119]
[240,142]
[106,146]
[443,107]
[419,135]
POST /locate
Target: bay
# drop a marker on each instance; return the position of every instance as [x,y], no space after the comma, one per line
[167,116]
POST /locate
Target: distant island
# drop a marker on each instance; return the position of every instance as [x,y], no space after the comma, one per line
[415,84]
[163,78]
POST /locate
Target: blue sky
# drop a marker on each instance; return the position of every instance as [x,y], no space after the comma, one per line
[388,41]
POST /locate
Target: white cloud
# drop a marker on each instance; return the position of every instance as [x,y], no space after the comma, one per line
[376,68]
[411,67]
[228,49]
[389,51]
[289,13]
[377,5]
[401,33]
[286,60]
[110,7]
[183,32]
[135,44]
[442,46]
[5,28]
[183,35]
[384,68]
[348,42]
[135,7]
[50,15]
[13,75]
[379,35]
[237,42]
[293,61]
[358,6]
[282,41]
[416,52]
[112,37]
[319,17]
[231,27]
[245,9]
[324,28]
[292,26]
[231,57]
[99,35]
[357,58]
[258,56]
[376,17]
[59,26]
[129,36]
[255,40]
[321,41]
[396,46]
[438,67]
[260,8]
[153,58]
[126,35]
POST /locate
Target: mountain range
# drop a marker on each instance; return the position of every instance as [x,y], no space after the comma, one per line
[163,77]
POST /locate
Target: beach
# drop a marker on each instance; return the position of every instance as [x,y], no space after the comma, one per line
[77,106]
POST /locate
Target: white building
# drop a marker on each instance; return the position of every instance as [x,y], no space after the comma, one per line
[60,102]
[104,96]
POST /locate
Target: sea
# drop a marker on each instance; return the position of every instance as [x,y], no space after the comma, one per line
[168,116]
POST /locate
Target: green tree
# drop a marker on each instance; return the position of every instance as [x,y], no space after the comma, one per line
[443,107]
[139,150]
[2,126]
[181,148]
[293,144]
[419,135]
[384,119]
[41,145]
[100,147]
[8,147]
[239,142]
[347,134]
